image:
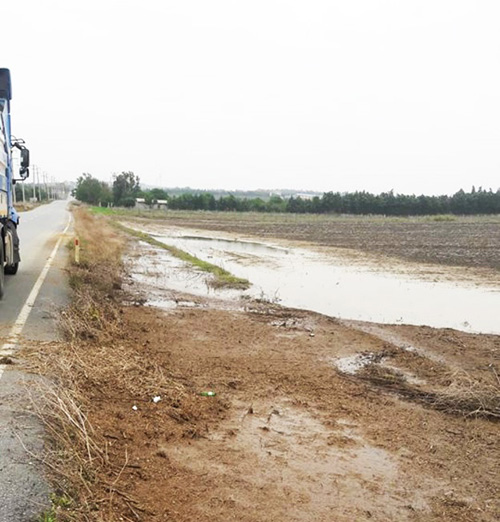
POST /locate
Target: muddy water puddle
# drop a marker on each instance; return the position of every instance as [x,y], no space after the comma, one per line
[162,280]
[305,279]
[353,364]
[285,451]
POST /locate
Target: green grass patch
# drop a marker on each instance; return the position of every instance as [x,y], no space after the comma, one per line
[48,516]
[222,278]
[108,211]
[129,212]
[58,502]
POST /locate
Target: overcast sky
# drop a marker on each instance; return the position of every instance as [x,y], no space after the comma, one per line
[306,94]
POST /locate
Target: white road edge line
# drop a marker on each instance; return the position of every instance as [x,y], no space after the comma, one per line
[8,347]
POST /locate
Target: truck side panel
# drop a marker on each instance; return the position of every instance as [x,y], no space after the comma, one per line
[4,162]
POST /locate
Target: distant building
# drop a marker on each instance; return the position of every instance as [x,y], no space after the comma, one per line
[140,203]
[305,196]
[160,204]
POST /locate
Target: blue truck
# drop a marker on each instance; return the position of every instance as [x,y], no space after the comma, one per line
[9,218]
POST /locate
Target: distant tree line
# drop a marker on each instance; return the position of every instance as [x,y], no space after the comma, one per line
[463,203]
[240,194]
[126,189]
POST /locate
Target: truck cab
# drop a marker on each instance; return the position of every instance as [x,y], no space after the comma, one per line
[9,219]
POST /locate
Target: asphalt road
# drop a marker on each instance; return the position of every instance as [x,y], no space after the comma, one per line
[23,491]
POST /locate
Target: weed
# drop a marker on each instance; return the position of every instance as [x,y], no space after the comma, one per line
[47,516]
[62,501]
[265,299]
[98,273]
[58,502]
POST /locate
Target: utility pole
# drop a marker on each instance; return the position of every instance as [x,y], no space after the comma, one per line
[33,168]
[44,181]
[38,183]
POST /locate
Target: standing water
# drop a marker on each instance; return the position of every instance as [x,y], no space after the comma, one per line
[305,279]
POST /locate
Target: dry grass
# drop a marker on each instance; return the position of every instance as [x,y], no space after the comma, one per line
[76,454]
[98,367]
[93,313]
[84,466]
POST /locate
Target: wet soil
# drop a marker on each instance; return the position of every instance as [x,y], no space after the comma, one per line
[298,429]
[290,434]
[460,241]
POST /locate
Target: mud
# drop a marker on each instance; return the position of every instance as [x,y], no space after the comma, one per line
[325,473]
[290,435]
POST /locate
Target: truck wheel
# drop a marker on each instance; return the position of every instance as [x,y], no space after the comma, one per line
[11,269]
[2,277]
[11,229]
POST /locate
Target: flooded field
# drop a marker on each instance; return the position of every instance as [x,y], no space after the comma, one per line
[333,284]
[472,241]
[212,405]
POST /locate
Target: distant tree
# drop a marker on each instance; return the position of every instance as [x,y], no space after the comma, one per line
[29,192]
[295,205]
[276,204]
[158,194]
[106,195]
[92,191]
[257,205]
[227,203]
[126,188]
[208,202]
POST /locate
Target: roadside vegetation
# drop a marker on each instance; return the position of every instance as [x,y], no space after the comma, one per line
[76,455]
[100,367]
